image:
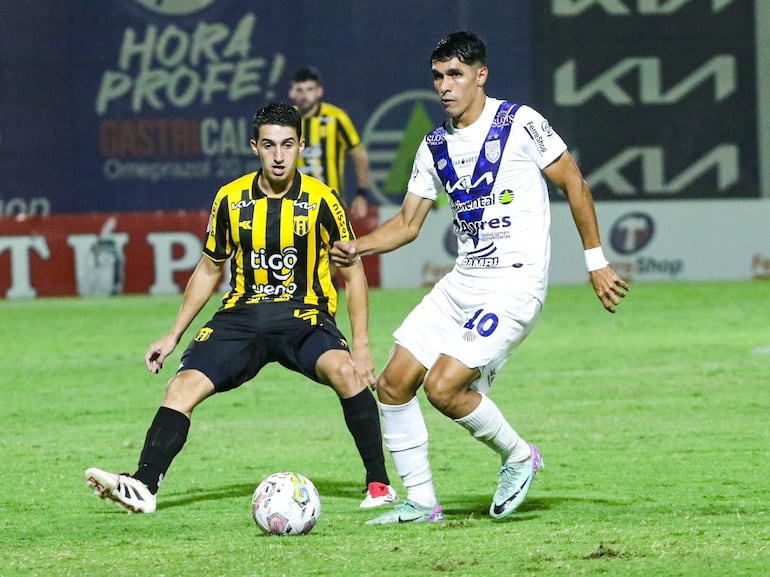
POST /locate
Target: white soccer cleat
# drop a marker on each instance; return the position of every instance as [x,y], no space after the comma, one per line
[377,495]
[513,482]
[129,493]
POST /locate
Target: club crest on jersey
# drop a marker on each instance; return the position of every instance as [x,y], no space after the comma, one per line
[492,150]
[301,225]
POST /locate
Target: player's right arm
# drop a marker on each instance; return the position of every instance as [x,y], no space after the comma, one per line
[395,232]
[203,282]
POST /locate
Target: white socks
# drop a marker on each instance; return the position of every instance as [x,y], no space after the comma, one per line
[487,424]
[406,437]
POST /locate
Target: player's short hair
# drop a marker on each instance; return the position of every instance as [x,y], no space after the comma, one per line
[305,74]
[279,114]
[467,47]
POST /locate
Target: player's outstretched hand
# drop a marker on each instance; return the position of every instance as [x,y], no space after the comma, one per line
[344,253]
[158,352]
[609,287]
[364,363]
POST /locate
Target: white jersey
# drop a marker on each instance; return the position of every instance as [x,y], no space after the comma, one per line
[491,172]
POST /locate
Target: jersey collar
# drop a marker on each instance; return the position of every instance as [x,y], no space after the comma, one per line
[293,192]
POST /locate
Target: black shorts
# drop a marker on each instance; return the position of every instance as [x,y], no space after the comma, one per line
[236,343]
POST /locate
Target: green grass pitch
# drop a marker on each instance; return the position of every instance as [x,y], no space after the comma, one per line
[654,424]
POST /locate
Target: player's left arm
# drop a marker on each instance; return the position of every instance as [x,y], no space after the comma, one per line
[357,294]
[565,174]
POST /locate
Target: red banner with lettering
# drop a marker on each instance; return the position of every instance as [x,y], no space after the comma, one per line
[109,254]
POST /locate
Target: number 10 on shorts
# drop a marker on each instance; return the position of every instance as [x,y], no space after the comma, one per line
[484,323]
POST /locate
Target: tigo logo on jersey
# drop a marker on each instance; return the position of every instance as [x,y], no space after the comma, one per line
[281,265]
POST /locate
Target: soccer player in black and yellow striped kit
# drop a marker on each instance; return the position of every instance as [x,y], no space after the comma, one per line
[330,136]
[275,227]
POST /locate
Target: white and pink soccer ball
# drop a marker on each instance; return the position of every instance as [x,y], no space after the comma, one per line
[286,504]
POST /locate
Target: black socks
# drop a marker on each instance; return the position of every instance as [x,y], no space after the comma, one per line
[363,421]
[165,438]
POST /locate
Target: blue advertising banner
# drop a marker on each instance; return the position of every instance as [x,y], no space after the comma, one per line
[137,105]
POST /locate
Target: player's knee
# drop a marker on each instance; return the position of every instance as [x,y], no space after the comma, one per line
[439,393]
[344,379]
[392,391]
[186,390]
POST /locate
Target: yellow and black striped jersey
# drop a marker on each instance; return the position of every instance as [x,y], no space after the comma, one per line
[278,247]
[328,135]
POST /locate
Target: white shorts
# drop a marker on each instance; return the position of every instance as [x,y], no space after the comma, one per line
[476,323]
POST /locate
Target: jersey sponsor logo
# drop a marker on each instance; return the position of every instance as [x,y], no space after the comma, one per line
[437,136]
[241,204]
[280,265]
[534,134]
[467,183]
[270,291]
[339,215]
[304,205]
[465,160]
[473,204]
[474,228]
[482,262]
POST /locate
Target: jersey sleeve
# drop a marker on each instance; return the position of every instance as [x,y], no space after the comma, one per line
[334,219]
[219,246]
[424,181]
[536,137]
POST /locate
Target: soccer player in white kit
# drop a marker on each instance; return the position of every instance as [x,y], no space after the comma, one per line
[489,158]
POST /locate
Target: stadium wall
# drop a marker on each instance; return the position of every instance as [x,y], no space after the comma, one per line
[154,253]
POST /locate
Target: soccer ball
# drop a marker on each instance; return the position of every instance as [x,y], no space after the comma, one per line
[286,504]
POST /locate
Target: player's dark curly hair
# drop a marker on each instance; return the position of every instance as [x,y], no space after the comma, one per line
[305,74]
[279,114]
[466,46]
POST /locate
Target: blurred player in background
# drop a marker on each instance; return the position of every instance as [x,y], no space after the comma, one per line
[329,136]
[489,157]
[275,227]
